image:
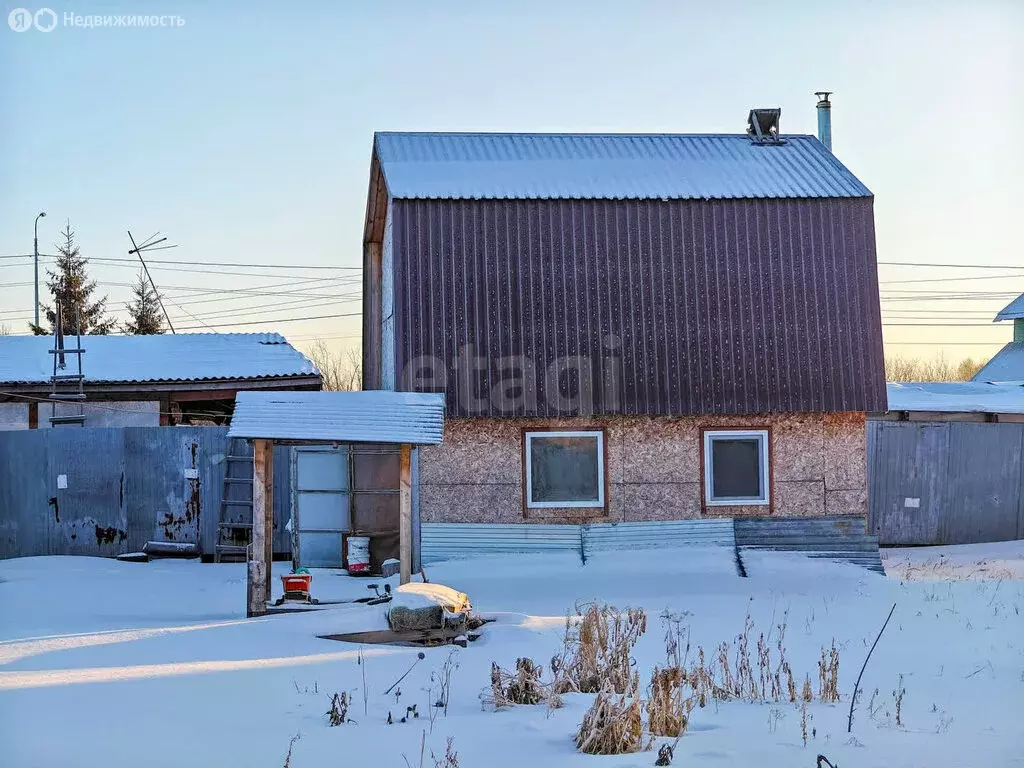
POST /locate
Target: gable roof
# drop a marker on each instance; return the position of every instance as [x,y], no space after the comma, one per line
[1012,310]
[609,166]
[1006,366]
[159,358]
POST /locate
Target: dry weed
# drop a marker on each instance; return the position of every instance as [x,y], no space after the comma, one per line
[523,686]
[450,759]
[612,726]
[597,650]
[828,675]
[338,713]
[668,709]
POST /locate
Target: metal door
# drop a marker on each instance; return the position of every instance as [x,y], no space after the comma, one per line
[321,505]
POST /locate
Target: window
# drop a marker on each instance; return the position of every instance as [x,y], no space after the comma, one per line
[736,467]
[564,469]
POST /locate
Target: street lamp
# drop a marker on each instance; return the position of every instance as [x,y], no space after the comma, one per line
[35,242]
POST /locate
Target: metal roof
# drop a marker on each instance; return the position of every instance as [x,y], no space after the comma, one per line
[1007,365]
[609,166]
[956,397]
[346,417]
[164,357]
[1012,310]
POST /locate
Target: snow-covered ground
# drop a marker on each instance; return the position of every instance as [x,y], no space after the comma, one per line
[119,664]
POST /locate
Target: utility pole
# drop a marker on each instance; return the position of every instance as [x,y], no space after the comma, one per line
[35,245]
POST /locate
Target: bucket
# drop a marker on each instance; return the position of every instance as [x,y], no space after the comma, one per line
[358,554]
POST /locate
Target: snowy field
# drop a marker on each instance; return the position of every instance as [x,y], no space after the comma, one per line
[118,664]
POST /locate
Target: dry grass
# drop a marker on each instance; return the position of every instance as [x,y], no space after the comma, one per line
[828,675]
[524,686]
[612,726]
[450,758]
[338,713]
[668,708]
[597,649]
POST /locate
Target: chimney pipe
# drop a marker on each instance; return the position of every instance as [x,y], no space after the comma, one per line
[824,118]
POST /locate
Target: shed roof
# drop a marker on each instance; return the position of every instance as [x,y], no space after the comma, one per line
[956,397]
[609,166]
[158,358]
[345,417]
[1012,310]
[1007,365]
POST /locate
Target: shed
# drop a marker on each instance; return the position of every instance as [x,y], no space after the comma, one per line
[946,464]
[266,418]
[151,380]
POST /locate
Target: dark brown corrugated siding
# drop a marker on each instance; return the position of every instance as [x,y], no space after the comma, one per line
[718,307]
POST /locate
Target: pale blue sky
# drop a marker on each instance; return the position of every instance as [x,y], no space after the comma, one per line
[245,134]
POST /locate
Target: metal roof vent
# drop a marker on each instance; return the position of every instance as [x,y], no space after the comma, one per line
[763,126]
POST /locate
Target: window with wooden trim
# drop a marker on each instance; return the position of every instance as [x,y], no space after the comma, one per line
[736,467]
[564,469]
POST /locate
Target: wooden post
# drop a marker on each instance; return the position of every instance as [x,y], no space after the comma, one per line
[268,514]
[405,516]
[258,578]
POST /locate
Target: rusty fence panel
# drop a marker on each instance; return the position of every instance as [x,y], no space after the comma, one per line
[935,483]
[107,491]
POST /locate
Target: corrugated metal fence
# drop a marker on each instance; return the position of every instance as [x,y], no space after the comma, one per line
[108,491]
[932,483]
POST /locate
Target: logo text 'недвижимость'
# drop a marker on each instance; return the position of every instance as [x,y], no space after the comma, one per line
[46,20]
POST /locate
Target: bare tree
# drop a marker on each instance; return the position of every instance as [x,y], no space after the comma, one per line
[899,368]
[340,371]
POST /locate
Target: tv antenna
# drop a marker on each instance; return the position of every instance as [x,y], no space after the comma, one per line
[151,243]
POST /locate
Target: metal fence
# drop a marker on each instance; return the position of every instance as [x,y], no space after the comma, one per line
[108,491]
[444,541]
[932,483]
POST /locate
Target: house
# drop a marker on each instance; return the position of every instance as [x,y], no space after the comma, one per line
[946,464]
[155,380]
[1008,363]
[627,327]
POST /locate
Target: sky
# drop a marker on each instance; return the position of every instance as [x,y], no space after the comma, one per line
[243,134]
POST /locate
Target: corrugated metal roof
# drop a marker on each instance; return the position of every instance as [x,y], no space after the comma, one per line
[345,417]
[956,397]
[165,357]
[609,166]
[1012,310]
[1007,365]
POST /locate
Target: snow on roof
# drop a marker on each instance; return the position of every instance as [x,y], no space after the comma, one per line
[1007,366]
[165,357]
[609,166]
[956,397]
[346,417]
[1012,310]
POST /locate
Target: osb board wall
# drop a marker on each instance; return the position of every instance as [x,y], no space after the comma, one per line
[818,467]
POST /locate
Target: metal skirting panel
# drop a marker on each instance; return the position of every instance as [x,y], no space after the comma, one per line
[445,541]
[670,533]
[842,539]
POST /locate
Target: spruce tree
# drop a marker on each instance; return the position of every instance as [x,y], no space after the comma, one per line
[144,313]
[71,284]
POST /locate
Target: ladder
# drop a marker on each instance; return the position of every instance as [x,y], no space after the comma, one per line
[234,527]
[66,387]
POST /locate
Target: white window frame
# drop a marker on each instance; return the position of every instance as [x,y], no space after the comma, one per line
[530,503]
[736,501]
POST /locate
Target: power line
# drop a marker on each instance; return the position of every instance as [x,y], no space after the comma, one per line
[949,279]
[957,266]
[114,259]
[282,320]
